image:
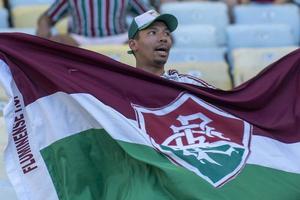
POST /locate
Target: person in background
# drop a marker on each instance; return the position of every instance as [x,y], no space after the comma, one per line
[91,22]
[150,42]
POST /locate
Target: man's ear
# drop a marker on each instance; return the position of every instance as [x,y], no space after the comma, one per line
[132,44]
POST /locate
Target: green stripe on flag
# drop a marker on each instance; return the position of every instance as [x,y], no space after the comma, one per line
[223,167]
[91,165]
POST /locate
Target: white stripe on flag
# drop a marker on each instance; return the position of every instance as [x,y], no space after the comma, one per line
[271,153]
[264,151]
[66,115]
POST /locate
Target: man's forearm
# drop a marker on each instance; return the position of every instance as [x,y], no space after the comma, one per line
[44,27]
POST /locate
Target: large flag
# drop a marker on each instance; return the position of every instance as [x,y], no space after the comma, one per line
[83,126]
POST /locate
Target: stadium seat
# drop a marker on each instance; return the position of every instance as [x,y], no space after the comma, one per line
[248,62]
[16,3]
[257,36]
[195,36]
[116,52]
[179,55]
[269,14]
[3,18]
[27,16]
[240,36]
[214,73]
[196,43]
[205,13]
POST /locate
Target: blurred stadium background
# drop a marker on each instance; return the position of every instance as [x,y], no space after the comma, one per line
[223,49]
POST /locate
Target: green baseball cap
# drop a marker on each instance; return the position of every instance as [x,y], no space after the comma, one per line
[146,19]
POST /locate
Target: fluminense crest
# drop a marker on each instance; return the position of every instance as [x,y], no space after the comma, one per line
[198,136]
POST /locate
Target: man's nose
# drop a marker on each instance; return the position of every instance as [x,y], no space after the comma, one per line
[163,37]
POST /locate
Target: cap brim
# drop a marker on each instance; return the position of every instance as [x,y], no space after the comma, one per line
[170,21]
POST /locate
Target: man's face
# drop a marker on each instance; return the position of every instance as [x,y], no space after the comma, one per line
[152,45]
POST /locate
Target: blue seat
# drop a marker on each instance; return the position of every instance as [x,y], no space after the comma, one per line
[205,13]
[181,55]
[269,14]
[275,35]
[3,18]
[195,36]
[257,36]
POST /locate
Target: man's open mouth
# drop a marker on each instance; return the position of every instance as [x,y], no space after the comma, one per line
[162,50]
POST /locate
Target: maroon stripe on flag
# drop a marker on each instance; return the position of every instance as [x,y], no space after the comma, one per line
[270,101]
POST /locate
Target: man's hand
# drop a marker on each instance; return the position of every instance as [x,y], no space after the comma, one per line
[44,27]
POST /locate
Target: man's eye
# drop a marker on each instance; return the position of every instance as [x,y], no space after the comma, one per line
[167,33]
[152,33]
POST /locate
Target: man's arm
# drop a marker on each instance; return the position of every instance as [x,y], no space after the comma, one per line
[45,22]
[44,26]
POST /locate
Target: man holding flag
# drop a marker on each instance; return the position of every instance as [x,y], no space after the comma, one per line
[150,42]
[82,126]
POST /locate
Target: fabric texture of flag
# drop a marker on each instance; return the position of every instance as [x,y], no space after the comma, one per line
[82,126]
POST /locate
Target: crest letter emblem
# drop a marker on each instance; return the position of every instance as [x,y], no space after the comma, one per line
[198,136]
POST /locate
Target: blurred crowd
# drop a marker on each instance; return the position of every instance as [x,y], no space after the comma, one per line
[97,23]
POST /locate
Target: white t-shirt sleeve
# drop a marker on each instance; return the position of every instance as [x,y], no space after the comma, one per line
[184,78]
[193,80]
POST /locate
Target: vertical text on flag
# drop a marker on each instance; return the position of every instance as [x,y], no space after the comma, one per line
[20,138]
